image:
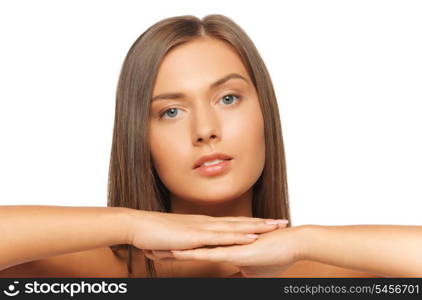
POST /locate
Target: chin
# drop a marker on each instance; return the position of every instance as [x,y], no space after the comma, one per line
[214,195]
[212,199]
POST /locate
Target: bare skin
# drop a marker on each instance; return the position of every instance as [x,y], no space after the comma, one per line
[200,123]
[203,122]
[101,262]
[36,233]
[44,238]
[206,125]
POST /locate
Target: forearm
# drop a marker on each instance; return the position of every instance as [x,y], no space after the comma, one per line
[386,250]
[32,232]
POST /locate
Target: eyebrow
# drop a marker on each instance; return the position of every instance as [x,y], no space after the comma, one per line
[212,86]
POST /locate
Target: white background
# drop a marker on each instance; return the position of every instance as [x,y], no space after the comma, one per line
[348,76]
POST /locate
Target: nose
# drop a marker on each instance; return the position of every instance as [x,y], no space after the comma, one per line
[206,126]
[206,140]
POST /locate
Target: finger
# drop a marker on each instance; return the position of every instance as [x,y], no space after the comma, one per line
[149,254]
[215,238]
[240,218]
[214,254]
[157,256]
[236,275]
[161,254]
[248,219]
[241,226]
[245,226]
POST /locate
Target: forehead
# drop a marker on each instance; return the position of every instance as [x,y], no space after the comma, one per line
[197,64]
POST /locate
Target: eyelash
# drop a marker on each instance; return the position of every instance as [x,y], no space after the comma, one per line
[164,112]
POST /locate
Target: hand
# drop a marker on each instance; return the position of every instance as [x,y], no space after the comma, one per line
[268,256]
[169,231]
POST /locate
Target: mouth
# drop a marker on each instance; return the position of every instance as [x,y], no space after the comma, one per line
[214,168]
[210,159]
[211,163]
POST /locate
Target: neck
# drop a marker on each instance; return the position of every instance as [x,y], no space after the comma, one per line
[241,206]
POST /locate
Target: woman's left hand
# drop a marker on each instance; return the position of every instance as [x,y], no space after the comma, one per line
[268,256]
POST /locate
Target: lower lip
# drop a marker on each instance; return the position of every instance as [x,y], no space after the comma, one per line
[216,169]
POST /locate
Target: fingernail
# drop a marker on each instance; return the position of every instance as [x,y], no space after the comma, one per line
[272,222]
[252,236]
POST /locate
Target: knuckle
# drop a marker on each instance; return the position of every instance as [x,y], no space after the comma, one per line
[241,237]
[222,237]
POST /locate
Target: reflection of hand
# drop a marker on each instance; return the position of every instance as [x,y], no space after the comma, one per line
[268,256]
[164,231]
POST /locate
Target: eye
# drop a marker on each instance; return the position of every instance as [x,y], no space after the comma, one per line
[227,99]
[172,113]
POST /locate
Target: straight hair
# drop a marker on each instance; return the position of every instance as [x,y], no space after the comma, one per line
[133,181]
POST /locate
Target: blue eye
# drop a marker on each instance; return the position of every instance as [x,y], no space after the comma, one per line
[172,112]
[227,98]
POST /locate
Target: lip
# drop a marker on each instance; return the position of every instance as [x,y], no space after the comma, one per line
[218,169]
[211,157]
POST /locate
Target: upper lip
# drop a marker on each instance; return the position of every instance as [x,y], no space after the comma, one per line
[210,157]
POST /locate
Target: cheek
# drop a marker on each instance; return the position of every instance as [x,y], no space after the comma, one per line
[247,129]
[256,146]
[169,151]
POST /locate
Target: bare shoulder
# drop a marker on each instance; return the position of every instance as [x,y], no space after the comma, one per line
[98,262]
[308,268]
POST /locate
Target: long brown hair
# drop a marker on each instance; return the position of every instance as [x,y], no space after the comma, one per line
[133,181]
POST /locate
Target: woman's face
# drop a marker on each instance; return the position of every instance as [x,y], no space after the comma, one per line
[224,118]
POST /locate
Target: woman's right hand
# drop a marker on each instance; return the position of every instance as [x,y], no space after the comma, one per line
[170,231]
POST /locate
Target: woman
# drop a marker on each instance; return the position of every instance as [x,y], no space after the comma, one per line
[197,165]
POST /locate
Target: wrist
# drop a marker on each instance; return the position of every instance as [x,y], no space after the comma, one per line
[126,220]
[308,235]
